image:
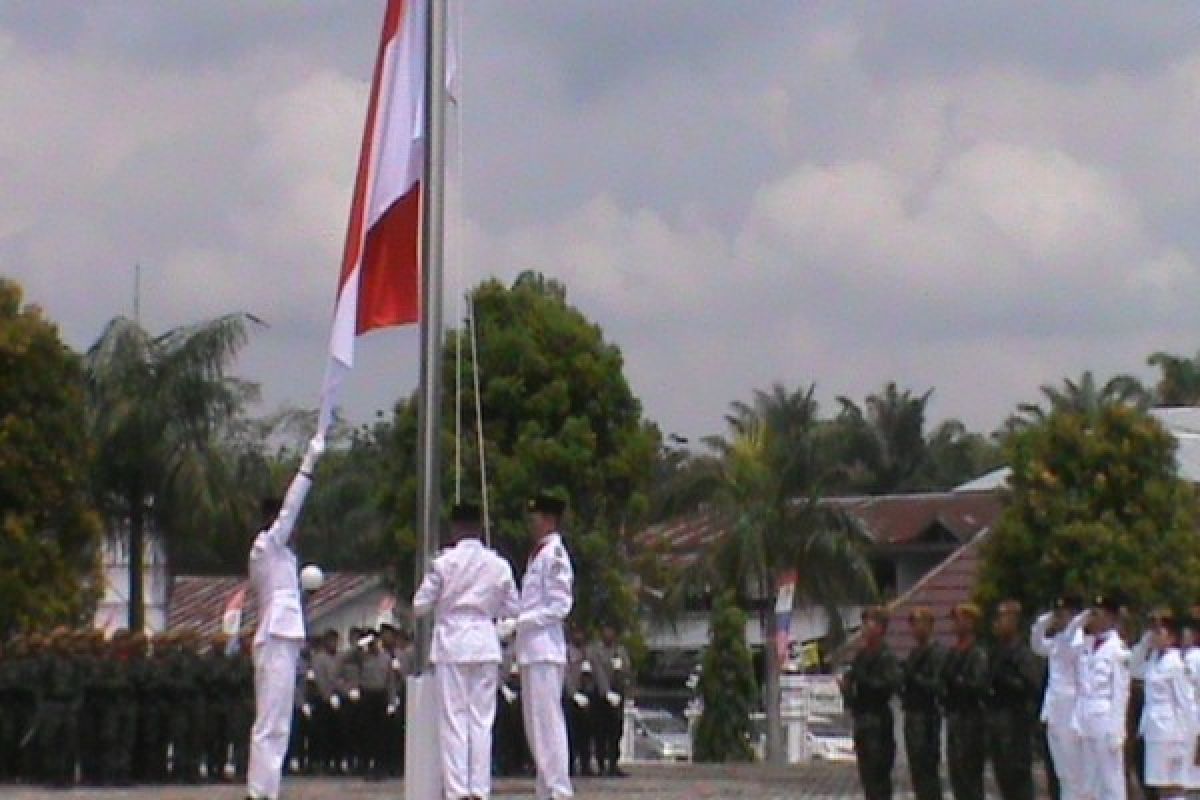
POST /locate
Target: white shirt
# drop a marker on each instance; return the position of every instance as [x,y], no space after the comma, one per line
[1063,652]
[467,587]
[273,573]
[1167,714]
[1103,688]
[546,599]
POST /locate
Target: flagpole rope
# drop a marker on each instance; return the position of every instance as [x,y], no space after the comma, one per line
[459,248]
[483,481]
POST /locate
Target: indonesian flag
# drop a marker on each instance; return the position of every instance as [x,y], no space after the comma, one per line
[231,620]
[380,275]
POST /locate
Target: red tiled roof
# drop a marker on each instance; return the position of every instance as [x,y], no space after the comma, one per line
[897,519]
[197,602]
[906,518]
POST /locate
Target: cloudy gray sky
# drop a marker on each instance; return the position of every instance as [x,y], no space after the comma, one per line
[978,197]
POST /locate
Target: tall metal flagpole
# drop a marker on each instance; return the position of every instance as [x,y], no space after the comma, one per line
[429,409]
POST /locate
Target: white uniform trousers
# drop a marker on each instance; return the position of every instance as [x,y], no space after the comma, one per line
[468,710]
[545,728]
[1104,776]
[274,686]
[1066,748]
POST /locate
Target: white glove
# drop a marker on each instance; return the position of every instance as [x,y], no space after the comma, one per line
[509,694]
[505,628]
[306,710]
[354,695]
[310,676]
[613,698]
[693,681]
[617,663]
[580,699]
[1115,741]
[316,447]
[391,709]
[335,702]
[396,664]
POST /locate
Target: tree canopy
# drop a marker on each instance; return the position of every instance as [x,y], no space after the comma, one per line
[50,531]
[1095,506]
[559,417]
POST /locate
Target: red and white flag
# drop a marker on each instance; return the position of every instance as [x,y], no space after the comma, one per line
[379,284]
[231,620]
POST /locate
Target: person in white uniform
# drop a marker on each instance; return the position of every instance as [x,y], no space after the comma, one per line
[277,641]
[1103,702]
[468,587]
[1058,637]
[546,599]
[1167,724]
[1191,663]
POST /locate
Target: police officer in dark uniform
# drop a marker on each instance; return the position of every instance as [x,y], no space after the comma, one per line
[874,676]
[922,716]
[965,689]
[1014,679]
[613,673]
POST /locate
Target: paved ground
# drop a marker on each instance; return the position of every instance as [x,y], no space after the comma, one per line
[818,781]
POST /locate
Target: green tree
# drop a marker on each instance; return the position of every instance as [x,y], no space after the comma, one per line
[727,687]
[558,416]
[765,481]
[1179,379]
[50,531]
[885,442]
[1096,505]
[158,407]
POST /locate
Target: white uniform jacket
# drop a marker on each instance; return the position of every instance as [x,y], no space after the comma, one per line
[273,572]
[1167,714]
[467,587]
[546,598]
[1103,688]
[1063,652]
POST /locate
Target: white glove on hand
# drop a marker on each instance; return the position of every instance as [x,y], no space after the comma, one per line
[505,628]
[316,447]
[354,695]
[1115,742]
[509,694]
[335,702]
[306,710]
[613,698]
[310,676]
[580,699]
[396,664]
[391,710]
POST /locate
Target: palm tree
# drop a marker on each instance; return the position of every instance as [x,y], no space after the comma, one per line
[765,481]
[1179,383]
[886,442]
[156,406]
[1085,396]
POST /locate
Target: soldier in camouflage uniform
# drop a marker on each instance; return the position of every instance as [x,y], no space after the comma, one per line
[243,705]
[874,676]
[119,726]
[965,688]
[1015,678]
[922,716]
[60,697]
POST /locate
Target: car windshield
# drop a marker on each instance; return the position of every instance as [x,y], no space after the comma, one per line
[665,724]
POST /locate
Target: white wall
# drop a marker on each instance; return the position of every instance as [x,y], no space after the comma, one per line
[113,609]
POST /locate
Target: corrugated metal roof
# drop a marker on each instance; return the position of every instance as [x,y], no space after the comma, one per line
[197,602]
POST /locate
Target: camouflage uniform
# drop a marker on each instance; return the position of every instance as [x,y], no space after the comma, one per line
[965,685]
[873,678]
[923,719]
[1014,680]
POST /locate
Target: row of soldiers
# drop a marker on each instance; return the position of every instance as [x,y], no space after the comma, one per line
[75,706]
[987,696]
[1119,722]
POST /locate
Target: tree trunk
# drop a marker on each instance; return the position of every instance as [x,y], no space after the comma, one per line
[137,539]
[776,747]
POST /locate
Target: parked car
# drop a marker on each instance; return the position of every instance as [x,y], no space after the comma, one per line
[830,740]
[660,735]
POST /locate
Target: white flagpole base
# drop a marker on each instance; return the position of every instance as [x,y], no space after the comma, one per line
[422,758]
